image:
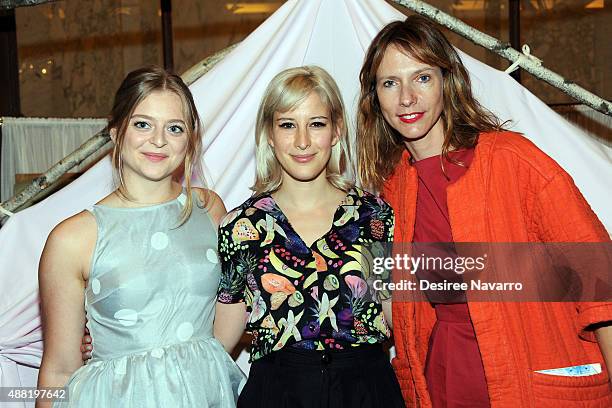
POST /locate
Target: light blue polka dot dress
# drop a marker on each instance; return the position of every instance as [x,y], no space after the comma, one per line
[150,304]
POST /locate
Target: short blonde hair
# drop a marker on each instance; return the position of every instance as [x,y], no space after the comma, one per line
[286,91]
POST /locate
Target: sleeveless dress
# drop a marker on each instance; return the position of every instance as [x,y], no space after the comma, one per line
[150,303]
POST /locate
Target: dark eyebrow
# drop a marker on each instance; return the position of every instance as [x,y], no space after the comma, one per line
[153,119]
[314,117]
[417,72]
[420,71]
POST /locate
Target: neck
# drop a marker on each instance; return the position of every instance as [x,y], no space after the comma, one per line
[305,194]
[149,192]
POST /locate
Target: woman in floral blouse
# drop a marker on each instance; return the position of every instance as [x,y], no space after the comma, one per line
[295,257]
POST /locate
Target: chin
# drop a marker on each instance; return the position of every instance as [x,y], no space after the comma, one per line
[412,133]
[305,176]
[304,173]
[157,176]
[412,136]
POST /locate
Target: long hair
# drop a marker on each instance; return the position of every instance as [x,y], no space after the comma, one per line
[380,147]
[136,86]
[286,91]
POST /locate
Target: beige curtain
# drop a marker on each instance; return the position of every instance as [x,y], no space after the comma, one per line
[33,145]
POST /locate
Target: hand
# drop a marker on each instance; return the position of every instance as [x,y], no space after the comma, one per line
[86,346]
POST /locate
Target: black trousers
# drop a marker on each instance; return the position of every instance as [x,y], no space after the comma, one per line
[361,377]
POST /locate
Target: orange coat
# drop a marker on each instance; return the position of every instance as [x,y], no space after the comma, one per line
[512,192]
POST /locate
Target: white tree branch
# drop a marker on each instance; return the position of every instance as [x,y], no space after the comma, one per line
[96,144]
[509,53]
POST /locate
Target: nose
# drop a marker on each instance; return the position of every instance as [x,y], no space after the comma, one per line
[408,96]
[302,139]
[158,138]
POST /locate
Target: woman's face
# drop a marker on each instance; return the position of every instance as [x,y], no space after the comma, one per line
[410,96]
[302,139]
[156,139]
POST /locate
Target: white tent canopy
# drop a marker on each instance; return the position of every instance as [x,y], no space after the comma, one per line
[333,34]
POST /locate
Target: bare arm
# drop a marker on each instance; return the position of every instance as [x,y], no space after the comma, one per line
[214,204]
[387,311]
[604,338]
[230,321]
[62,282]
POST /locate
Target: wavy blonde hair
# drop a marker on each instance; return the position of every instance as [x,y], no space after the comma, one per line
[285,92]
[380,147]
[136,86]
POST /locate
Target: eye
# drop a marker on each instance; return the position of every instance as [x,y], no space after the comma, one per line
[175,129]
[318,124]
[424,78]
[140,124]
[286,125]
[388,83]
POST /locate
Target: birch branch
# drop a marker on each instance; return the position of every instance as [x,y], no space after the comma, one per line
[202,67]
[8,4]
[505,50]
[40,183]
[93,145]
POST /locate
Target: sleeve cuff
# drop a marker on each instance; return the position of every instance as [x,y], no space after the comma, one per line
[228,298]
[590,314]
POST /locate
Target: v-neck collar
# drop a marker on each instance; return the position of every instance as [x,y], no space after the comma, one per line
[351,199]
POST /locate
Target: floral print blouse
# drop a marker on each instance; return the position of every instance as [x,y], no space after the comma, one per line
[318,297]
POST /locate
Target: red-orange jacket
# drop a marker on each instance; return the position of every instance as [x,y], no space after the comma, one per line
[512,192]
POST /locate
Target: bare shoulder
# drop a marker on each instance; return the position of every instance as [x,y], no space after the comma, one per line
[76,229]
[72,240]
[213,202]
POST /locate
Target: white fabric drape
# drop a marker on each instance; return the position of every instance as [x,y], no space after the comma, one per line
[32,145]
[331,33]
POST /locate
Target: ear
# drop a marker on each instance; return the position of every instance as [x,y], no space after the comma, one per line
[113,134]
[270,142]
[337,132]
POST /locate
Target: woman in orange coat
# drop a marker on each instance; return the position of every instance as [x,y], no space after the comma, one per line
[453,174]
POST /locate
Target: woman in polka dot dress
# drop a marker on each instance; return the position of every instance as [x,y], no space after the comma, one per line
[141,268]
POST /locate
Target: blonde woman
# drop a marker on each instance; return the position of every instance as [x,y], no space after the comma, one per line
[141,266]
[286,259]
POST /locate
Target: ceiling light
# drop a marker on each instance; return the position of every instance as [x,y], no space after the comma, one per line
[252,8]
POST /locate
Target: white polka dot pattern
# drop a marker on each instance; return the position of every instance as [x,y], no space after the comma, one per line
[184,331]
[126,317]
[159,240]
[95,286]
[121,366]
[211,255]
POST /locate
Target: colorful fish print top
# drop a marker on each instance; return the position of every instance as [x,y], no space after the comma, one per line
[318,297]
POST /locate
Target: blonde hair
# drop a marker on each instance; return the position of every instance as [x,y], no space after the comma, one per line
[136,86]
[286,91]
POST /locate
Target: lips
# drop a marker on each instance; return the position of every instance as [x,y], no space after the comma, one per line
[303,158]
[155,157]
[411,117]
